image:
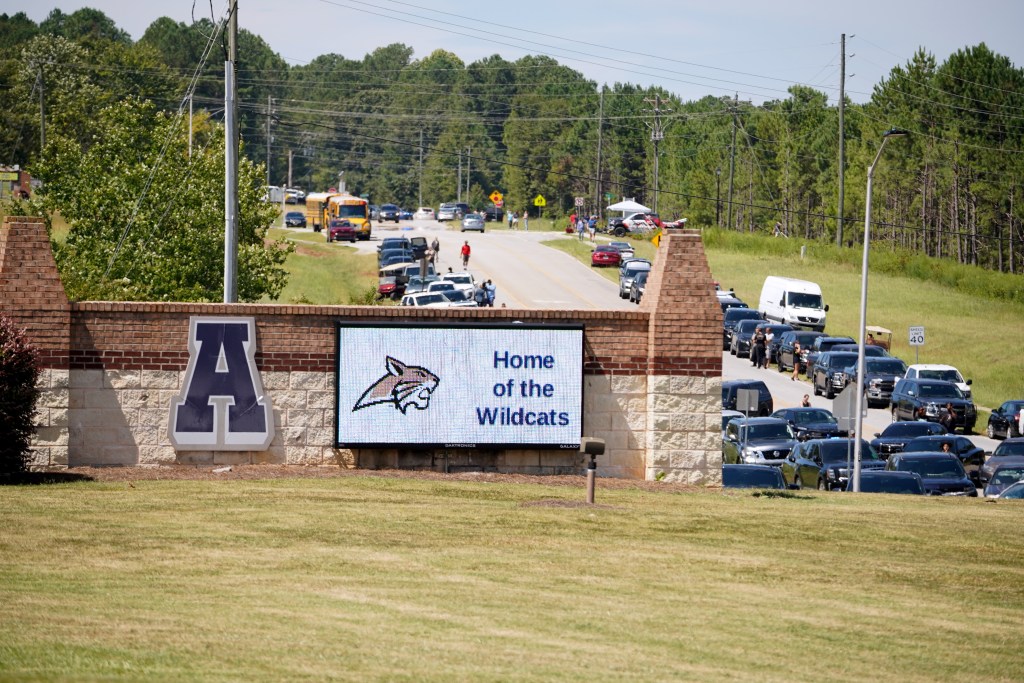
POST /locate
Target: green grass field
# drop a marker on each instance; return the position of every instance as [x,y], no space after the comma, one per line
[321,273]
[370,578]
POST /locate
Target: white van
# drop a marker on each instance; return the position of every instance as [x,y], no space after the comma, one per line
[793,302]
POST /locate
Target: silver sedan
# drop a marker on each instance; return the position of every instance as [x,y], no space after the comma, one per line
[473,221]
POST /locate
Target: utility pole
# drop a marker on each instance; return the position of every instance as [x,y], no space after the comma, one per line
[231,163]
[842,137]
[290,156]
[469,157]
[458,185]
[600,130]
[732,157]
[421,170]
[42,111]
[657,135]
[269,104]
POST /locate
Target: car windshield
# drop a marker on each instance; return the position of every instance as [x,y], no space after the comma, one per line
[803,417]
[908,429]
[940,390]
[946,375]
[1007,475]
[631,271]
[888,366]
[621,245]
[737,314]
[455,295]
[932,468]
[473,217]
[837,450]
[431,298]
[1009,448]
[804,300]
[769,431]
[888,484]
[459,279]
[842,360]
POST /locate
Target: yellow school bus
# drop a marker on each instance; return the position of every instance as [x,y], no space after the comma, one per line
[316,204]
[354,209]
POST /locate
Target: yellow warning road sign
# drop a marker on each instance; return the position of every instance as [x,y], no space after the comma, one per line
[540,201]
[495,197]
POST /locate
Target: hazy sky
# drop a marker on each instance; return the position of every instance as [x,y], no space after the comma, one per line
[693,49]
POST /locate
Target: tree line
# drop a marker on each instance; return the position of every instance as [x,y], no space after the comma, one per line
[426,130]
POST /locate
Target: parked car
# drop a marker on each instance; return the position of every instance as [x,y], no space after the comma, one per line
[1002,478]
[727,302]
[390,257]
[880,377]
[1004,422]
[774,332]
[636,290]
[757,441]
[605,255]
[295,219]
[820,346]
[459,298]
[1009,451]
[731,318]
[884,481]
[627,271]
[492,213]
[417,283]
[826,463]
[785,359]
[425,300]
[388,212]
[810,423]
[932,395]
[972,457]
[394,243]
[943,372]
[390,287]
[472,221]
[739,476]
[338,230]
[405,214]
[625,248]
[765,403]
[638,221]
[424,213]
[446,212]
[463,281]
[441,286]
[1014,492]
[832,373]
[727,417]
[897,435]
[742,337]
[942,473]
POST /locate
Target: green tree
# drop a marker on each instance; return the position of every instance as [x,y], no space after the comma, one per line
[146,220]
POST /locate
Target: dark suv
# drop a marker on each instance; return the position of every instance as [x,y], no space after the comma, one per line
[757,441]
[742,337]
[765,404]
[880,376]
[388,212]
[820,346]
[893,438]
[932,395]
[785,354]
[832,372]
[942,473]
[729,320]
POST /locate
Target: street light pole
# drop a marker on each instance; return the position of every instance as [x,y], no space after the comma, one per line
[858,406]
[718,197]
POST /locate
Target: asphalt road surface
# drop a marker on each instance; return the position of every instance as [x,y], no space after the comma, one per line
[525,274]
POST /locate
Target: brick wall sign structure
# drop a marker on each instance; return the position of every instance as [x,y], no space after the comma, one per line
[113,373]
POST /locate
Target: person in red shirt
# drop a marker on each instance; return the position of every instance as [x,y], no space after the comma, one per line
[465,254]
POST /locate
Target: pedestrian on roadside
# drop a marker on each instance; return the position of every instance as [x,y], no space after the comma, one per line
[948,419]
[526,220]
[592,228]
[796,361]
[465,254]
[511,217]
[806,402]
[435,246]
[757,348]
[768,337]
[580,227]
[480,296]
[491,292]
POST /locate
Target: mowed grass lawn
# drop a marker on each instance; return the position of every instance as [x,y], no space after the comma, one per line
[374,578]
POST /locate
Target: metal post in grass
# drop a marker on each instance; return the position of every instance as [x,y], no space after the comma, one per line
[592,447]
[859,415]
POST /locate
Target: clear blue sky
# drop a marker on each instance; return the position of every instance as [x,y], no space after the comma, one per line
[691,48]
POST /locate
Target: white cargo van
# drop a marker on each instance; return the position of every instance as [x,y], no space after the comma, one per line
[793,302]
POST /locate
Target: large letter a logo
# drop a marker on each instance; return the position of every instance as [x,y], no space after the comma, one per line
[221,406]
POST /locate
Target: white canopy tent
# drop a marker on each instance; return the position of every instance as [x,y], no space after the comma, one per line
[628,206]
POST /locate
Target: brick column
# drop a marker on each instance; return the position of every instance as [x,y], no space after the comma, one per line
[684,363]
[32,294]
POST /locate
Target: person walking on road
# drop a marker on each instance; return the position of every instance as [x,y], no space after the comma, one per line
[581,227]
[435,246]
[806,402]
[526,220]
[480,296]
[491,292]
[948,419]
[511,217]
[465,254]
[796,361]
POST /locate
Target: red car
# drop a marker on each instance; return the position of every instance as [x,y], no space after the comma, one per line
[605,256]
[341,230]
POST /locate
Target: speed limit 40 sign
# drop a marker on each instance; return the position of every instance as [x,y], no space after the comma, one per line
[917,336]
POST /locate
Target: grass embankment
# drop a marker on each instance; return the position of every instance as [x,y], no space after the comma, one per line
[368,578]
[973,318]
[321,273]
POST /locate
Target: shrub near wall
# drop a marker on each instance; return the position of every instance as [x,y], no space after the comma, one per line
[19,372]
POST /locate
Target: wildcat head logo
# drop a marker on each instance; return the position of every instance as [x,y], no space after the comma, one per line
[403,386]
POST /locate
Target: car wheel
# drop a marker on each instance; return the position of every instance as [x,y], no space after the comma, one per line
[798,482]
[829,393]
[990,432]
[814,387]
[895,416]
[781,369]
[822,486]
